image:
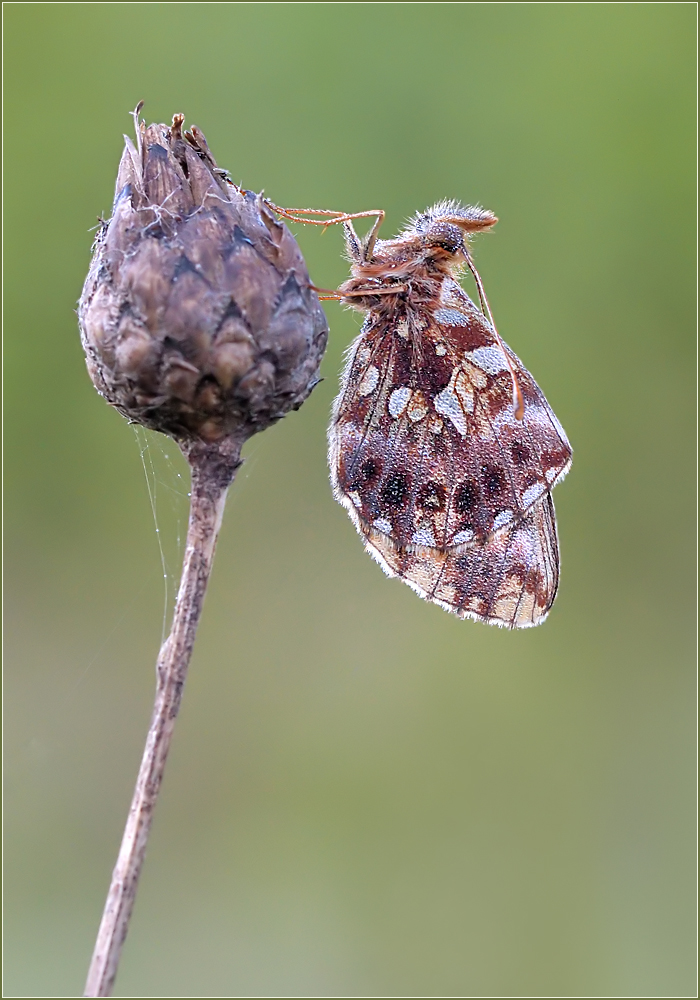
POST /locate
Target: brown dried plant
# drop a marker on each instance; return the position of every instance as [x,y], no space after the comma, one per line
[198,320]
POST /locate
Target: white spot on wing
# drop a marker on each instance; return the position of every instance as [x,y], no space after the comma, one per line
[463,536]
[440,350]
[381,524]
[532,493]
[492,360]
[369,381]
[448,405]
[503,518]
[398,401]
[451,317]
[402,329]
[424,536]
[451,292]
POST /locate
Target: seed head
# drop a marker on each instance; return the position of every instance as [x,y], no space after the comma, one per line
[197,317]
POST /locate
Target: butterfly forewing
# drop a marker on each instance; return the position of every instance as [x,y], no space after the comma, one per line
[427,448]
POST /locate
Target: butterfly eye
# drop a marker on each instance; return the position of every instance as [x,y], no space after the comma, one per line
[445,235]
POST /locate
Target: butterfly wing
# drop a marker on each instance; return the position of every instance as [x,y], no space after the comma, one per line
[428,458]
[511,580]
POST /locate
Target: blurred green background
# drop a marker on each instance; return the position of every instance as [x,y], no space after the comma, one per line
[366,796]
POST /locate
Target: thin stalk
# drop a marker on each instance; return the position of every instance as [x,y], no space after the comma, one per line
[212,473]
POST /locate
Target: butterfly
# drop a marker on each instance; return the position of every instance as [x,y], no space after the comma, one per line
[442,447]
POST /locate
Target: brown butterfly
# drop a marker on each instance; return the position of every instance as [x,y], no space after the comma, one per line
[442,447]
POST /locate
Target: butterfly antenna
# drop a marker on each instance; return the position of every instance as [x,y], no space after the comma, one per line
[518,401]
[329,217]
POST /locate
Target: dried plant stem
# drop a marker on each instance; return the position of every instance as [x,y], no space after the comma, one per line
[212,472]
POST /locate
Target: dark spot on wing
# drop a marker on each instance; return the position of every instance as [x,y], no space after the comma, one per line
[493,480]
[467,496]
[519,453]
[369,470]
[395,489]
[367,473]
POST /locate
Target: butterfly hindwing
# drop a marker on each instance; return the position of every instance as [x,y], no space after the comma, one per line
[511,580]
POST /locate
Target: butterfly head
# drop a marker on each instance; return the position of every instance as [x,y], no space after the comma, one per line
[434,243]
[447,225]
[439,236]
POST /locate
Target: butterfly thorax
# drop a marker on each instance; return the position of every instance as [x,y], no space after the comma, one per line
[399,278]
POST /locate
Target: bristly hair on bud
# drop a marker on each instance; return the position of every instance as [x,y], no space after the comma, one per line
[198,319]
[197,316]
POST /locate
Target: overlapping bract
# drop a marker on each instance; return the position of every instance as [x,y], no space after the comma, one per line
[197,316]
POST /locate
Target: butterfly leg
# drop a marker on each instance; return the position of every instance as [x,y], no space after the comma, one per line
[360,249]
[327,293]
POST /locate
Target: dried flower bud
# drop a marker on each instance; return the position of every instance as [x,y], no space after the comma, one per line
[197,317]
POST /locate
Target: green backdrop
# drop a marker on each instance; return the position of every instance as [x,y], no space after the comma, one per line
[366,796]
